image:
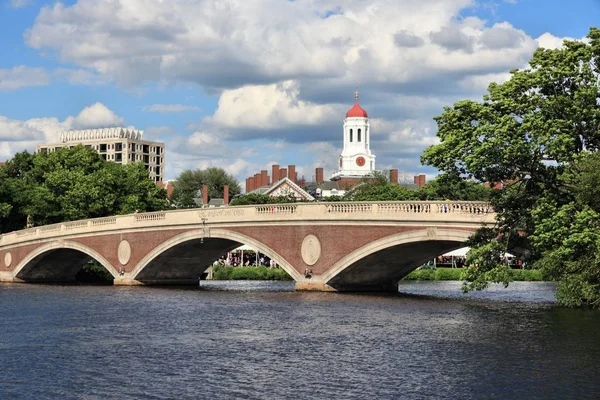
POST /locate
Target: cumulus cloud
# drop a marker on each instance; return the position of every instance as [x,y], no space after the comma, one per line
[95,116]
[549,41]
[452,38]
[405,38]
[502,36]
[268,107]
[235,45]
[23,76]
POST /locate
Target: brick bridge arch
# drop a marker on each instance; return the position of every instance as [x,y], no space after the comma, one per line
[58,261]
[380,264]
[183,258]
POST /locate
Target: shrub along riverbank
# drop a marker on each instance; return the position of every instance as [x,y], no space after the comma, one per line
[455,274]
[260,273]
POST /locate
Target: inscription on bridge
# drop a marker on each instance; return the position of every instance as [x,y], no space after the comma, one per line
[225,212]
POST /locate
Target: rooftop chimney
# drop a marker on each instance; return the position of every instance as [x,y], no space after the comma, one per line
[274,173]
[394,176]
[204,194]
[257,180]
[264,178]
[292,173]
[319,175]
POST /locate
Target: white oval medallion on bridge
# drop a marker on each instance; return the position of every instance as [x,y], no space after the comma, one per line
[310,250]
[124,252]
[8,259]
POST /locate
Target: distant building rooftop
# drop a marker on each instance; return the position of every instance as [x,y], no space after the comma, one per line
[104,133]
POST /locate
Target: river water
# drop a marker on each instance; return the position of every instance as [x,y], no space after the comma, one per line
[262,340]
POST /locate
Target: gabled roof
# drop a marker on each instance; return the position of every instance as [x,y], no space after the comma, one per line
[296,188]
[329,185]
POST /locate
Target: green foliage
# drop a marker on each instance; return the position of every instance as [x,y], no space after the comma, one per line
[376,191]
[261,273]
[71,184]
[255,198]
[188,186]
[535,134]
[94,273]
[457,274]
[451,186]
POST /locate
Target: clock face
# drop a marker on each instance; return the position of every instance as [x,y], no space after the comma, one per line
[360,161]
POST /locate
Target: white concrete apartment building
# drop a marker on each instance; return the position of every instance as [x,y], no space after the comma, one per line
[120,145]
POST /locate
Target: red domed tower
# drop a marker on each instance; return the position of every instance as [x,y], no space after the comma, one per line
[356,159]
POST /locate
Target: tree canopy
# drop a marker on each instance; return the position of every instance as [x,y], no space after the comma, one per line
[255,198]
[188,186]
[71,184]
[534,135]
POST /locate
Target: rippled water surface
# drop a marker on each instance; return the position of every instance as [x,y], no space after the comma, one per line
[259,340]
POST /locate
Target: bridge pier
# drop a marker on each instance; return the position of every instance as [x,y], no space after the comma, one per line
[316,284]
[313,285]
[7,277]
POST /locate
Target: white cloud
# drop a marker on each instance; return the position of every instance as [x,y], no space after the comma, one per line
[549,41]
[169,108]
[96,116]
[268,107]
[240,43]
[203,139]
[22,76]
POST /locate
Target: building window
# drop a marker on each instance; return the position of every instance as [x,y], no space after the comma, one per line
[350,135]
[358,135]
[102,148]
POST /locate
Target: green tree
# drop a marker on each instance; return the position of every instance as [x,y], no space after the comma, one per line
[375,191]
[377,187]
[524,134]
[567,233]
[72,184]
[451,186]
[255,198]
[188,186]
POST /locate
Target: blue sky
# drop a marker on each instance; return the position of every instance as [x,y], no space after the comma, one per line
[242,86]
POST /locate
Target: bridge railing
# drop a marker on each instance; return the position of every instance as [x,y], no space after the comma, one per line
[424,212]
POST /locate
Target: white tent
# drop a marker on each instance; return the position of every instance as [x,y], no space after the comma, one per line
[458,252]
[462,252]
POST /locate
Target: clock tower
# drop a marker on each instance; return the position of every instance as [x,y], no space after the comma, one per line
[356,160]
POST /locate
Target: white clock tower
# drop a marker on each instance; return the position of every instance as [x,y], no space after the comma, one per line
[356,160]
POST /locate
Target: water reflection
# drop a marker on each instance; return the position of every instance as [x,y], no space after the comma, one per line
[128,343]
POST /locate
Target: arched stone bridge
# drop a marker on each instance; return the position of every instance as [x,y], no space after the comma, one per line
[348,246]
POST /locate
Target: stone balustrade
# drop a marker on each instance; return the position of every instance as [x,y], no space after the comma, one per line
[472,214]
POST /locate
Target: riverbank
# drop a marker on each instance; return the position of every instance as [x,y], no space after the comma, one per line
[259,273]
[455,274]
